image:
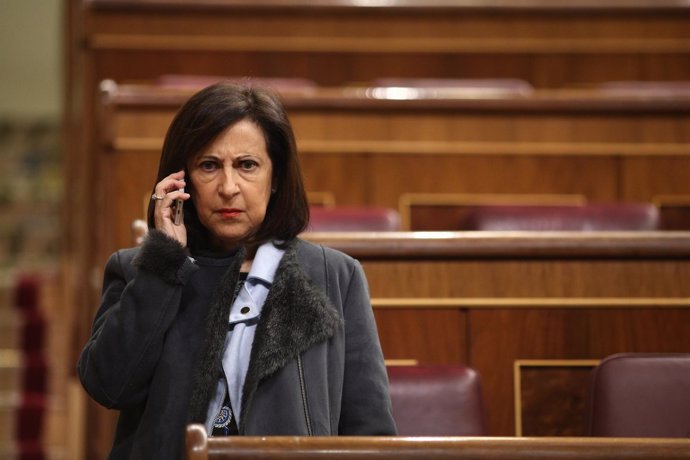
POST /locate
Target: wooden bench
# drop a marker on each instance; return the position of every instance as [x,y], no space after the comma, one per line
[532,313]
[548,147]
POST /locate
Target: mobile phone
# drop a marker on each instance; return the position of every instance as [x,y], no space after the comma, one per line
[177,210]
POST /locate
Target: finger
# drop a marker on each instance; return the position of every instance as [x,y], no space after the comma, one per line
[165,206]
[166,187]
[174,180]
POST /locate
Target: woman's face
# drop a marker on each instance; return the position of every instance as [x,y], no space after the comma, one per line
[232,183]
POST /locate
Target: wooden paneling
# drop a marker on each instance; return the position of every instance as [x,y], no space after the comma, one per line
[552,397]
[127,180]
[334,42]
[660,177]
[513,297]
[404,334]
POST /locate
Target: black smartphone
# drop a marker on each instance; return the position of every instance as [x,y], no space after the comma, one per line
[178,215]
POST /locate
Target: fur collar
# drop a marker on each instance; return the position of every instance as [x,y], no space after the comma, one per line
[296,315]
[209,360]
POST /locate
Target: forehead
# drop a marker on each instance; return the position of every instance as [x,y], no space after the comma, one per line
[243,136]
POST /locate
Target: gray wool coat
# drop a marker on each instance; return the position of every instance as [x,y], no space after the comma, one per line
[316,366]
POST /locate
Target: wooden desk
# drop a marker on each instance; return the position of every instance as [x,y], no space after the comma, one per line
[200,447]
[532,313]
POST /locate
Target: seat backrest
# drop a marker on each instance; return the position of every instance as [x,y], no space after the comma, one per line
[353,219]
[592,217]
[437,401]
[641,395]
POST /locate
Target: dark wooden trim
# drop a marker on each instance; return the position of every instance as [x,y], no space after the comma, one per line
[350,98]
[508,245]
[492,6]
[400,448]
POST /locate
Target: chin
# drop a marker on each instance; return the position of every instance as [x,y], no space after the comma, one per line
[229,240]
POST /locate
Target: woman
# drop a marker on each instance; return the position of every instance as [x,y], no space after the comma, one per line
[227,318]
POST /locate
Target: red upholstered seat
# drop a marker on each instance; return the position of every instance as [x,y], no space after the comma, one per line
[437,401]
[641,395]
[349,219]
[30,412]
[594,217]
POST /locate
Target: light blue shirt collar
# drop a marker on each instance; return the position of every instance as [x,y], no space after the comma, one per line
[239,341]
[266,262]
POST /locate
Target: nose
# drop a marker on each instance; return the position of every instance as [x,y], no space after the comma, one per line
[228,185]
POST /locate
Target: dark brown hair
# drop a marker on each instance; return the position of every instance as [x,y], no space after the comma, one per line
[208,113]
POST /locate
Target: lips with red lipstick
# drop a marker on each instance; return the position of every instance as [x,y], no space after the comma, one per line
[229,212]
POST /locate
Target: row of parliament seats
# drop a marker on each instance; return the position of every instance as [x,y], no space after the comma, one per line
[505,85]
[448,212]
[436,150]
[511,294]
[439,410]
[24,395]
[589,217]
[531,313]
[349,218]
[403,88]
[640,395]
[434,86]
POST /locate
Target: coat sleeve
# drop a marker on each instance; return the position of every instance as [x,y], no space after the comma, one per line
[366,405]
[140,300]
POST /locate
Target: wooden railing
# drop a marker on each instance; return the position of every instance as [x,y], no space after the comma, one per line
[201,447]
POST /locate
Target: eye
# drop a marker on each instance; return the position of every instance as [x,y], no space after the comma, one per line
[208,165]
[247,165]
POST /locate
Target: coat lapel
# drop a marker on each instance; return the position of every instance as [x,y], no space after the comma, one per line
[205,373]
[296,315]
